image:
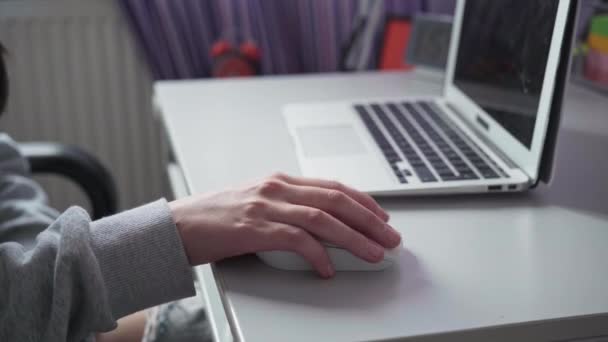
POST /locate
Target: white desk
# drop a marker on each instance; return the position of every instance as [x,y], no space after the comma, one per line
[515,267]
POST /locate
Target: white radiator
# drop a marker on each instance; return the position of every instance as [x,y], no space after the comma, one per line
[77,77]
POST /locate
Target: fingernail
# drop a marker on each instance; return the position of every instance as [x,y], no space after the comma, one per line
[387,217]
[393,235]
[376,252]
[330,271]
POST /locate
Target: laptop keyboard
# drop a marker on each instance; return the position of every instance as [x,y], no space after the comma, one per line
[434,149]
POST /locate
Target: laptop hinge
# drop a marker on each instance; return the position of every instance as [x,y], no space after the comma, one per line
[510,163]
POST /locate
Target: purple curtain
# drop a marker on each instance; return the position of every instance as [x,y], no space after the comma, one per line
[295,36]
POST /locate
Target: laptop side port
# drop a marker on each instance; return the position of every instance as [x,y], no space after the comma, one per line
[512,187]
[495,188]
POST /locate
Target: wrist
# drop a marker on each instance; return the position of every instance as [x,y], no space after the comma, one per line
[176,209]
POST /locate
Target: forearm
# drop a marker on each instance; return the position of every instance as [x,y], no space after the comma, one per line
[81,276]
[142,259]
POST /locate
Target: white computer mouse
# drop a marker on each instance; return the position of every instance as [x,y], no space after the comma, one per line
[341,258]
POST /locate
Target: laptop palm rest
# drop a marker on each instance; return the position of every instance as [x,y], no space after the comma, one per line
[329,141]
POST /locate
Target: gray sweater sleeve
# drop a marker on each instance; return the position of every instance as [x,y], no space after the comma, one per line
[63,277]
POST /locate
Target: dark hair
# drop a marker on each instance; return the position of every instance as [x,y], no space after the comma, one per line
[3,81]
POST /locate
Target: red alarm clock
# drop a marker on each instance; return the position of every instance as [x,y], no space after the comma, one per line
[229,61]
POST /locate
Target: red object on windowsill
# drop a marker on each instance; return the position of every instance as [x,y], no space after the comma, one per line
[235,61]
[396,38]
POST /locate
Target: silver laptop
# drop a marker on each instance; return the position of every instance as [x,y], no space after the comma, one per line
[485,134]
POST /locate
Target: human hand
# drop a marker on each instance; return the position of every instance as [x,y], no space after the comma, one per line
[284,213]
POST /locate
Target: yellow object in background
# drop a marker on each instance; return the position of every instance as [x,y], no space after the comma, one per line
[599,43]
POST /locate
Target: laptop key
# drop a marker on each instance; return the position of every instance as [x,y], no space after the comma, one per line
[469,177]
[489,173]
[420,168]
[448,176]
[387,149]
[426,176]
[448,151]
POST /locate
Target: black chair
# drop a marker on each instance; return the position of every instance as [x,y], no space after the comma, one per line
[79,167]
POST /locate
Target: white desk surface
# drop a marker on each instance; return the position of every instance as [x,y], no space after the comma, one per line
[527,267]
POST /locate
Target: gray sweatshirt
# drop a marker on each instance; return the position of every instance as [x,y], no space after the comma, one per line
[63,277]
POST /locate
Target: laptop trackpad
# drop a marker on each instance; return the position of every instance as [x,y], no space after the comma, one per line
[328,141]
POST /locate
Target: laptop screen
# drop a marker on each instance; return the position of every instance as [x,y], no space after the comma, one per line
[502,56]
